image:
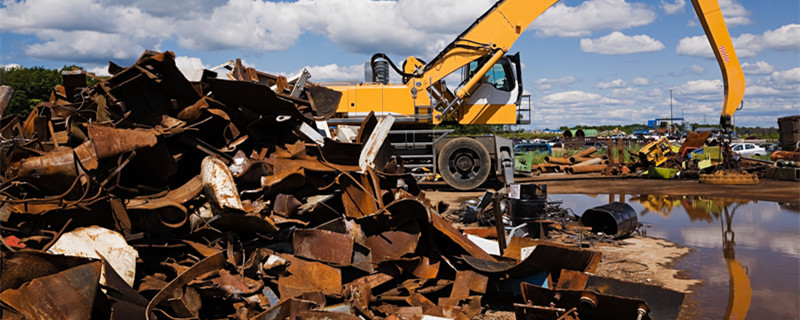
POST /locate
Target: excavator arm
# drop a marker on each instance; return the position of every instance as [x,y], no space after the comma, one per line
[710,16]
[491,35]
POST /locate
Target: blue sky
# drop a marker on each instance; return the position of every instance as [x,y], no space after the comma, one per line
[585,62]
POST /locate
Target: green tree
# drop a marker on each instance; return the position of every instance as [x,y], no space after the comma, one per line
[30,85]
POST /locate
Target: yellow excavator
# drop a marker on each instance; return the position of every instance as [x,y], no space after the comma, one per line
[489,92]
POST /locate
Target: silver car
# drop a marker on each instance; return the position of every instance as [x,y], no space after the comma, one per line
[748,149]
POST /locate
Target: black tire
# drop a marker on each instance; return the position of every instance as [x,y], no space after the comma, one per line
[464,163]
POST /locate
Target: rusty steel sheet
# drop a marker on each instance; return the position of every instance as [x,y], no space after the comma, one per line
[458,238]
[571,279]
[545,257]
[60,161]
[392,245]
[324,246]
[110,141]
[426,270]
[694,140]
[305,276]
[357,196]
[466,282]
[219,185]
[68,294]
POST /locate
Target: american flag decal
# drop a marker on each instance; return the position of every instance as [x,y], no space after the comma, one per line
[724,54]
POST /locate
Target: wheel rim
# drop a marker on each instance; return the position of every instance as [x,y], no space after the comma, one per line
[464,164]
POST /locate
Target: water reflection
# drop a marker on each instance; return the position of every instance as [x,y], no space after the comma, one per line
[748,248]
[710,209]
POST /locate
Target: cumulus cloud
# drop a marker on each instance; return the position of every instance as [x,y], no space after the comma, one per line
[591,15]
[673,8]
[334,72]
[698,70]
[99,71]
[786,78]
[758,68]
[616,83]
[640,81]
[734,13]
[10,66]
[578,98]
[547,84]
[785,38]
[618,43]
[95,30]
[697,87]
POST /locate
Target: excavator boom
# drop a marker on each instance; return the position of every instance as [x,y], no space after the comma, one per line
[497,29]
[710,15]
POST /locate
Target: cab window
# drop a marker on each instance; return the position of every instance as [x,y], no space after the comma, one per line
[499,76]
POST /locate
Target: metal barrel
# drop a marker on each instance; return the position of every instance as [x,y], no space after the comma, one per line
[617,219]
[531,205]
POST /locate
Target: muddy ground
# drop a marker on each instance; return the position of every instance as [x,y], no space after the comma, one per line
[639,258]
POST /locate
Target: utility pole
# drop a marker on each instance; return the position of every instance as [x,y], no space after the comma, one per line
[670,112]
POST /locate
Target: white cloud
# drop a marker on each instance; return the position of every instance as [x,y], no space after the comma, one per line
[734,13]
[185,63]
[591,15]
[618,43]
[786,38]
[578,98]
[547,84]
[673,8]
[698,70]
[761,91]
[695,87]
[640,81]
[10,66]
[760,67]
[616,83]
[625,93]
[92,30]
[334,72]
[99,71]
[785,78]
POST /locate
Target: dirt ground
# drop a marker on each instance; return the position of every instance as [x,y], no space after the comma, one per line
[639,259]
[766,190]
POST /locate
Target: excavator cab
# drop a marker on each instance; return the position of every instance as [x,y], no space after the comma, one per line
[499,93]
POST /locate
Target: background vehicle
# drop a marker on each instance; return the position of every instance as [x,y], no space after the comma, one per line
[596,144]
[533,147]
[748,149]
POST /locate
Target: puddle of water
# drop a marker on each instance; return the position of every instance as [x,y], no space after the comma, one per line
[750,246]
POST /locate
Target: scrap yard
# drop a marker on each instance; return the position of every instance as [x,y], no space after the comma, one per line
[235,193]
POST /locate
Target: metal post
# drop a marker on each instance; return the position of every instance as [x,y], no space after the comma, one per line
[498,222]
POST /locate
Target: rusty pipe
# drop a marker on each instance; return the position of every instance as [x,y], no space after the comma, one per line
[587,168]
[564,161]
[590,162]
[586,152]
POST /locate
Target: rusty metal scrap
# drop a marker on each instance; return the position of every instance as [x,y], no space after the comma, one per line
[227,207]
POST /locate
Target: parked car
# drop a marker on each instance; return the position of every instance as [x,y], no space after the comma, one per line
[533,147]
[771,147]
[597,145]
[555,143]
[748,149]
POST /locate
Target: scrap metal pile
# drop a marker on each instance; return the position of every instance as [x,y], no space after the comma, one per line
[219,199]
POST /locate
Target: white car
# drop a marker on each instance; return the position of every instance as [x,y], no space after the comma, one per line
[748,149]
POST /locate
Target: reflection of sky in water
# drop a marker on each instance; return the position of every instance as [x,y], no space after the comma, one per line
[766,237]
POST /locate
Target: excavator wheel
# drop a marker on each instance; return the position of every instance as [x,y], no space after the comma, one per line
[464,163]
